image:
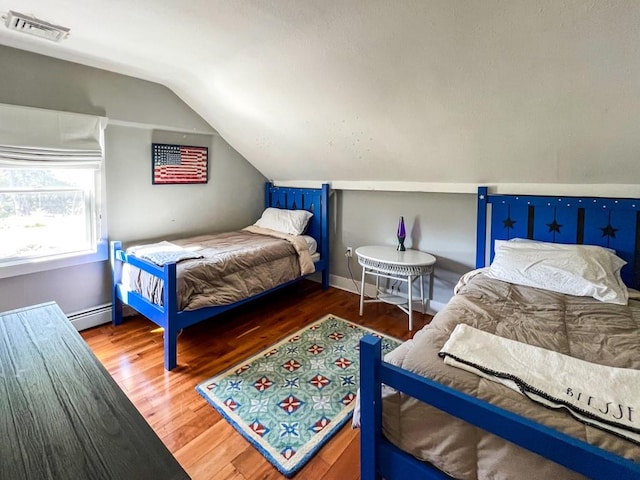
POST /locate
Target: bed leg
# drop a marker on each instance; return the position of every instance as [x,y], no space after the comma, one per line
[325,279]
[370,406]
[170,349]
[116,311]
[116,273]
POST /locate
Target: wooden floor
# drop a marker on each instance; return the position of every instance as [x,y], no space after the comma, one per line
[205,444]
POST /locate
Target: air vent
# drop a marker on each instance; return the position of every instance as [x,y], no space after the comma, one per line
[39,28]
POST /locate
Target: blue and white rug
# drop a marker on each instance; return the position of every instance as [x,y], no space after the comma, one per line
[291,398]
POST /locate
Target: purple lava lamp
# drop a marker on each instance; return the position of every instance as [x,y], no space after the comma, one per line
[402,234]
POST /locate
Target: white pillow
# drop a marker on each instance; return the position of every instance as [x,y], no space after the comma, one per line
[581,270]
[293,222]
[311,243]
[528,240]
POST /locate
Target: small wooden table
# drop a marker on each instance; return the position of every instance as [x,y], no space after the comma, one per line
[388,262]
[61,414]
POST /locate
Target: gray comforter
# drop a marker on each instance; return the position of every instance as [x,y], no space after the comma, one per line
[578,326]
[233,266]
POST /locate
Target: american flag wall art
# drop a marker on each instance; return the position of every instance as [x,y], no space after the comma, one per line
[179,163]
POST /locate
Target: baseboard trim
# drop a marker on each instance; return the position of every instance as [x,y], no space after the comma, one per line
[91,317]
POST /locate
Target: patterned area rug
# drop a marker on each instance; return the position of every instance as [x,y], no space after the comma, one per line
[289,399]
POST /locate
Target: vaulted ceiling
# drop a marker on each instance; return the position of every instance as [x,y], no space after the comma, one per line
[376,92]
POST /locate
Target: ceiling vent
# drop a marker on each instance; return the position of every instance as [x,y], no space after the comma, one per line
[39,28]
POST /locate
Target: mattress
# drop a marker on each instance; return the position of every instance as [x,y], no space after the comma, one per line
[581,327]
[231,266]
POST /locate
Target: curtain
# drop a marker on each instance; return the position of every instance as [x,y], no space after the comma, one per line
[38,137]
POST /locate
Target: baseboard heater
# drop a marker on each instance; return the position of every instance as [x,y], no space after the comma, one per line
[90,317]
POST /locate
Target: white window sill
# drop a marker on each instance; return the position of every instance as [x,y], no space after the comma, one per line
[51,263]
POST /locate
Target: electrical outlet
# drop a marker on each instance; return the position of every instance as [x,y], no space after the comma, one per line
[348,252]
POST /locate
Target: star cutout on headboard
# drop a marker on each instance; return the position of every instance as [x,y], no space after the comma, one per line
[554,226]
[508,222]
[609,231]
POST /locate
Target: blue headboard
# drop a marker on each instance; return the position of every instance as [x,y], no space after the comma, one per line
[608,222]
[315,200]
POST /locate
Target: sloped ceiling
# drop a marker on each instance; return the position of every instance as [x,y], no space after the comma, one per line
[369,92]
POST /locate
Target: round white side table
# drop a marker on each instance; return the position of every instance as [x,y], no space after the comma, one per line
[387,262]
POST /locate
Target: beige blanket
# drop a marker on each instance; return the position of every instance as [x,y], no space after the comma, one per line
[233,266]
[602,396]
[581,327]
[302,248]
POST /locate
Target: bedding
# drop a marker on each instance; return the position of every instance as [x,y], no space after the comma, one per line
[312,244]
[579,326]
[164,252]
[293,222]
[584,270]
[602,396]
[227,267]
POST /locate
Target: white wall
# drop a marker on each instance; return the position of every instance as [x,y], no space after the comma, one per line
[436,92]
[139,210]
[441,224]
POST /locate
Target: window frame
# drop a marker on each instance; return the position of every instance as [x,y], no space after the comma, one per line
[32,137]
[95,222]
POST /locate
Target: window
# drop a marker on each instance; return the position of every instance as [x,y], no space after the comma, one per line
[46,212]
[51,196]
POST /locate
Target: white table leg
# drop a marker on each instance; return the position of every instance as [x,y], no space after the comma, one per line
[431,275]
[377,286]
[410,296]
[364,271]
[421,279]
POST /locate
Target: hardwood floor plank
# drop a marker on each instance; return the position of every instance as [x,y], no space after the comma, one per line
[332,451]
[347,465]
[250,463]
[225,472]
[317,468]
[202,441]
[198,451]
[215,457]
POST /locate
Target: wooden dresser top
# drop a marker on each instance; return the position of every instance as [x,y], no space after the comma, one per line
[61,413]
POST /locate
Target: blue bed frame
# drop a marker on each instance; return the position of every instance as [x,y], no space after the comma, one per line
[168,316]
[609,222]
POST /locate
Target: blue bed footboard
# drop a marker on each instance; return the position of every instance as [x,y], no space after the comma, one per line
[381,459]
[168,316]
